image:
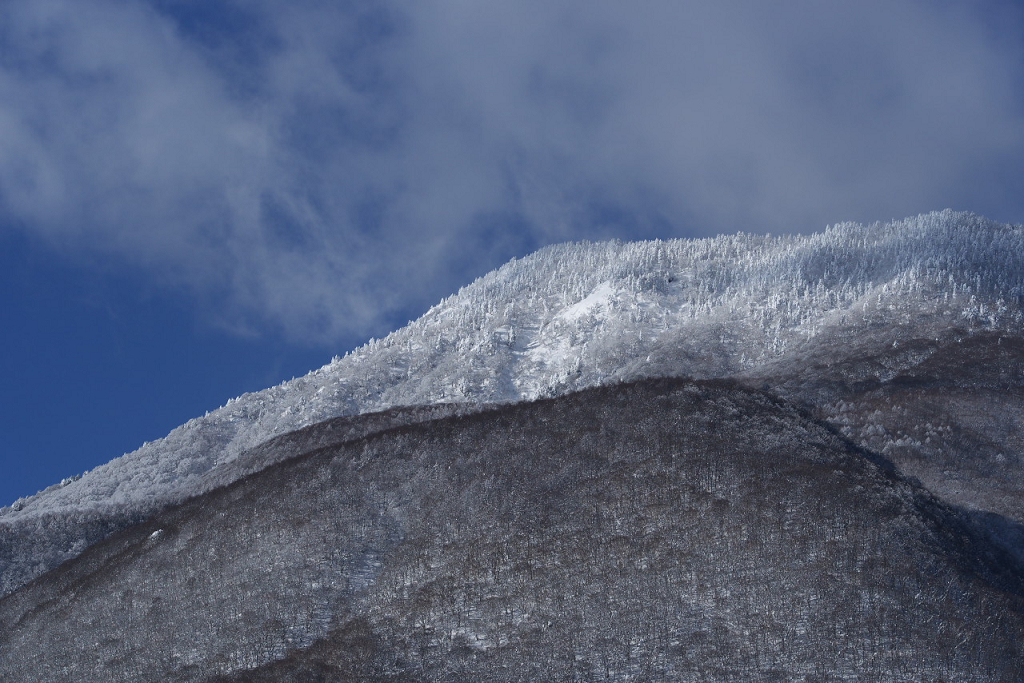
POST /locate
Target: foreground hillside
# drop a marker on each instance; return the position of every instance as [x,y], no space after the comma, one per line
[949,411]
[839,321]
[666,530]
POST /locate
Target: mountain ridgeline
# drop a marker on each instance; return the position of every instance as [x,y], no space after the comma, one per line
[745,458]
[578,315]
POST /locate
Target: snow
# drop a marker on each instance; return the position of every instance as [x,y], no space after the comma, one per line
[577,315]
[595,302]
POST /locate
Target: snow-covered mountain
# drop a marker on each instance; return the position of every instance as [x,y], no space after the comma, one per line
[573,316]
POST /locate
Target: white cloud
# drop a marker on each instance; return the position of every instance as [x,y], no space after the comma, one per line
[315,168]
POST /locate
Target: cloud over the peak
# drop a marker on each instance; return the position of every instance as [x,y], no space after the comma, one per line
[316,167]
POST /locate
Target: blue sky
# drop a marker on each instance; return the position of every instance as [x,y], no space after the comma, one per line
[202,198]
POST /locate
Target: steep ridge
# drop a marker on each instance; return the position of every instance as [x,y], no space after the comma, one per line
[580,315]
[664,530]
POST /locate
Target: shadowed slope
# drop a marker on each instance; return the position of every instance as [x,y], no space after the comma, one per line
[666,530]
[948,411]
[52,537]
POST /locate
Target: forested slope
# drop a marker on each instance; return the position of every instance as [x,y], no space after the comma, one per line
[665,530]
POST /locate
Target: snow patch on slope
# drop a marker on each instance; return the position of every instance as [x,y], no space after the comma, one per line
[595,302]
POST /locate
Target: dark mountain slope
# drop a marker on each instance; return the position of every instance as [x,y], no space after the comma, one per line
[665,530]
[948,410]
[53,536]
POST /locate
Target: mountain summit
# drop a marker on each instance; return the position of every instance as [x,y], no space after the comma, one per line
[898,334]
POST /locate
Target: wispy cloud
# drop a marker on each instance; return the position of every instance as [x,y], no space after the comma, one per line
[316,167]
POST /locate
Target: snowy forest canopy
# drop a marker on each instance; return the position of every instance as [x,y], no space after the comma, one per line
[568,317]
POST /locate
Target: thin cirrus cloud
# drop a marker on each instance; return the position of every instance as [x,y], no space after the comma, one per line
[318,168]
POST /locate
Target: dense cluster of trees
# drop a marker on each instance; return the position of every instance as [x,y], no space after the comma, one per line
[666,530]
